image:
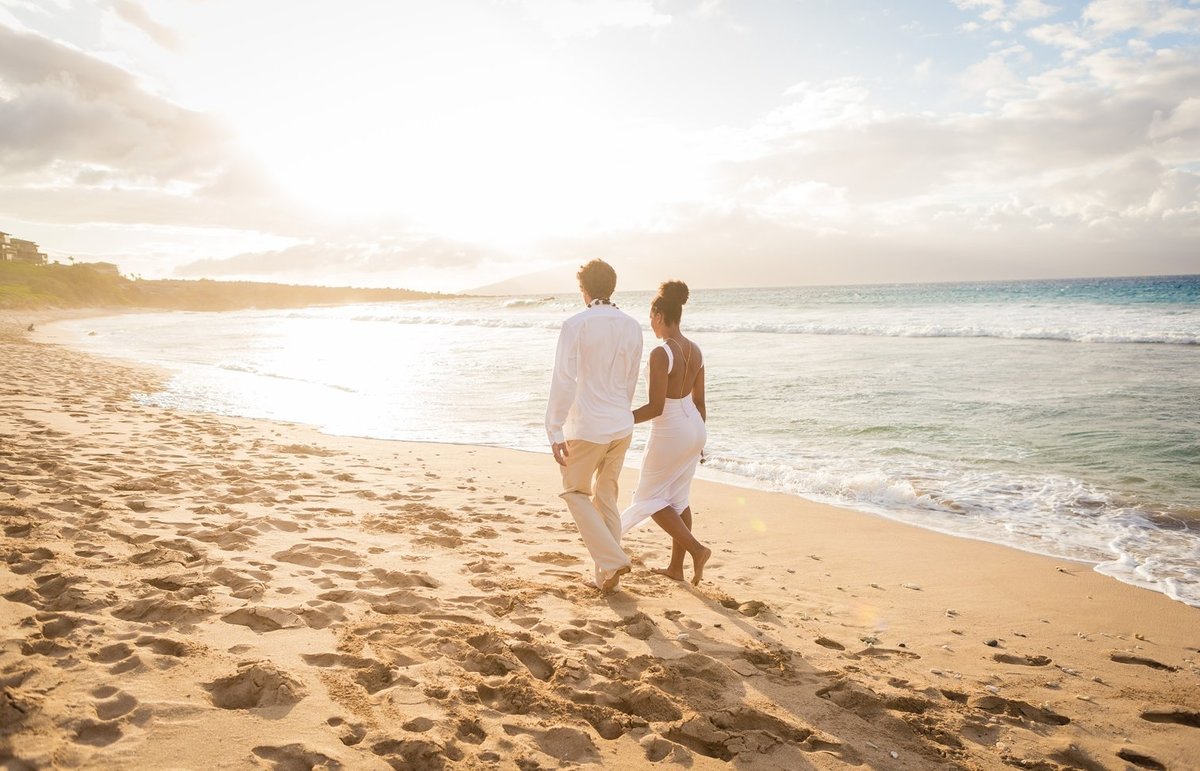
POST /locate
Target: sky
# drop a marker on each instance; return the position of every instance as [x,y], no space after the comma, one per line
[450,145]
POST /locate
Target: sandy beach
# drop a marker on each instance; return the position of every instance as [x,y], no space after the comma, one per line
[196,592]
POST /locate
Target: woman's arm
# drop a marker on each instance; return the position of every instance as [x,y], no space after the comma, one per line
[698,395]
[657,388]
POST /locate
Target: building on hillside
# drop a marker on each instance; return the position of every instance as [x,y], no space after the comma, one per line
[20,250]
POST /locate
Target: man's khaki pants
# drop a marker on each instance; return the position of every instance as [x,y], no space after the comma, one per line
[590,490]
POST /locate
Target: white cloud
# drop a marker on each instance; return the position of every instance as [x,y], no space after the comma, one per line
[994,76]
[809,106]
[1032,9]
[991,10]
[62,106]
[1097,156]
[1064,36]
[408,260]
[1003,13]
[1149,17]
[135,14]
[1179,124]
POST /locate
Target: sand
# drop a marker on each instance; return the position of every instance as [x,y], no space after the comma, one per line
[190,591]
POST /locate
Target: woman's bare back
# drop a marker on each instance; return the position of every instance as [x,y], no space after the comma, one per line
[684,370]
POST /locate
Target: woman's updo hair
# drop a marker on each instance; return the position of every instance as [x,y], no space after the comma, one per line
[672,296]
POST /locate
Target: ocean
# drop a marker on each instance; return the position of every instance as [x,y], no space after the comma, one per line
[1060,417]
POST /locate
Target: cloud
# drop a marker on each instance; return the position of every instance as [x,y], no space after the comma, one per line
[994,76]
[738,247]
[1103,19]
[136,15]
[1148,17]
[62,107]
[1004,14]
[1065,36]
[1098,152]
[317,259]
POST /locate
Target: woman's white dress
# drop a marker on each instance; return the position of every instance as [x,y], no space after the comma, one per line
[676,438]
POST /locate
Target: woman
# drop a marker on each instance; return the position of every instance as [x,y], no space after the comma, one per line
[677,434]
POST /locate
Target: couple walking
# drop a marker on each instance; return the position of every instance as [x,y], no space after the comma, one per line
[590,424]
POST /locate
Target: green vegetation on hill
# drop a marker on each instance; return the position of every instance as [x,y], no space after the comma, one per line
[85,285]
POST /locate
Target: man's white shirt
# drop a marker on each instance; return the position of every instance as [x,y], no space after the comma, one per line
[596,371]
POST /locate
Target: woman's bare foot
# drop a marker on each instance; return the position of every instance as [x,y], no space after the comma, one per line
[698,562]
[669,573]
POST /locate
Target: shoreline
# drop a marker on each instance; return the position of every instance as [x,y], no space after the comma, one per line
[1105,567]
[230,591]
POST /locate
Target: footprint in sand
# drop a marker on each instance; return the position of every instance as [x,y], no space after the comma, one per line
[159,610]
[416,753]
[165,646]
[245,586]
[1140,759]
[295,756]
[1175,715]
[97,733]
[261,618]
[639,626]
[57,592]
[470,731]
[576,635]
[373,675]
[29,560]
[111,654]
[563,743]
[1024,661]
[744,733]
[1018,709]
[556,558]
[256,684]
[314,555]
[535,659]
[1129,658]
[825,642]
[395,579]
[349,734]
[111,702]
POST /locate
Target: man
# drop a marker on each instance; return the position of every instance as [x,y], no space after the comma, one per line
[588,419]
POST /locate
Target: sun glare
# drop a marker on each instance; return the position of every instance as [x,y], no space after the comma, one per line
[493,147]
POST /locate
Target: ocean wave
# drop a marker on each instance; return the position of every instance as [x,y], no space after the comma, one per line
[1073,335]
[1165,337]
[247,369]
[528,303]
[465,321]
[1051,515]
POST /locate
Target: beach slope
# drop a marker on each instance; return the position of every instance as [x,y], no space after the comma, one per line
[197,592]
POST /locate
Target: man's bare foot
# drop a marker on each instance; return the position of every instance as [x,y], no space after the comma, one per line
[675,574]
[698,562]
[613,580]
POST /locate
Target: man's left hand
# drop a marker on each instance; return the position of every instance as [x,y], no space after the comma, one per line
[560,452]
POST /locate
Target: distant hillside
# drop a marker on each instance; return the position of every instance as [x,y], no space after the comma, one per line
[85,284]
[633,275]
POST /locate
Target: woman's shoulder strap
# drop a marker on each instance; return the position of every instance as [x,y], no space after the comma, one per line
[666,346]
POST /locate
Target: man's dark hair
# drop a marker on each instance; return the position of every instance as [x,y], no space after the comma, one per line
[598,279]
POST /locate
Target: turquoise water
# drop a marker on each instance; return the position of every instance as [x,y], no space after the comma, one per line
[1061,417]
